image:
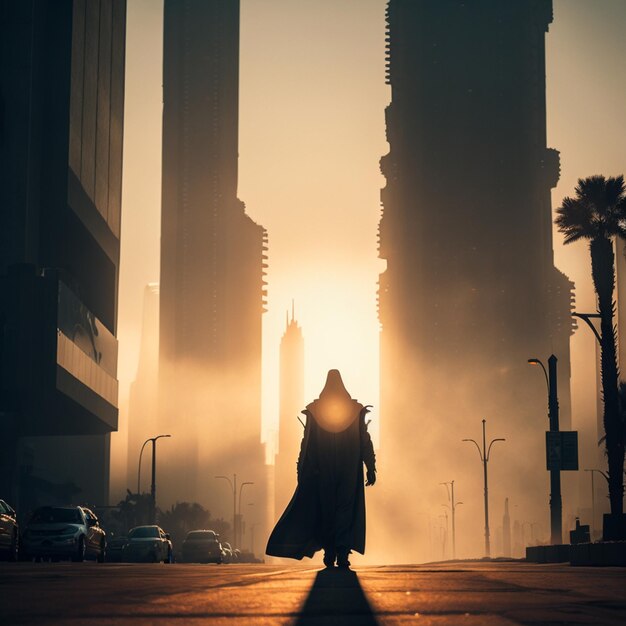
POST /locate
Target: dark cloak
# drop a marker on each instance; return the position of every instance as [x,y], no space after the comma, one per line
[328,505]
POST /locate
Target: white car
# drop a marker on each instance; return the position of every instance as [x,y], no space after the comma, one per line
[58,532]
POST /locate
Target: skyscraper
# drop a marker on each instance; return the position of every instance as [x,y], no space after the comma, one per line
[291,398]
[143,404]
[470,291]
[61,136]
[212,261]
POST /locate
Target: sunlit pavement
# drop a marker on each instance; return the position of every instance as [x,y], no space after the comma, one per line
[471,594]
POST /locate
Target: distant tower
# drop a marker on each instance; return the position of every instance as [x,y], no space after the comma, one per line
[212,267]
[291,403]
[506,530]
[143,403]
[470,289]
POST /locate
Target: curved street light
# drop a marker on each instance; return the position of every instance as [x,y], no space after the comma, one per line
[556,505]
[453,505]
[484,457]
[153,485]
[593,498]
[233,487]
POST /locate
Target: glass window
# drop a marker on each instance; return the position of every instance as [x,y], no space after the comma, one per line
[144,532]
[201,535]
[56,515]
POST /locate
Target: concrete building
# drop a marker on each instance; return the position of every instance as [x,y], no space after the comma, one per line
[61,136]
[291,399]
[470,291]
[143,404]
[212,266]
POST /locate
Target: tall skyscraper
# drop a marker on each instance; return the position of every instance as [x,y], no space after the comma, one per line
[61,136]
[143,404]
[212,264]
[291,398]
[470,291]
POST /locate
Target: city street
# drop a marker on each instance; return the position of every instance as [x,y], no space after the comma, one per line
[472,594]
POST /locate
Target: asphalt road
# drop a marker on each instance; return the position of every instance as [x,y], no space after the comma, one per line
[468,594]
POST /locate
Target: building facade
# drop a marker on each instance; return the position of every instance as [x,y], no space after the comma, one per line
[143,402]
[470,290]
[212,264]
[291,403]
[61,136]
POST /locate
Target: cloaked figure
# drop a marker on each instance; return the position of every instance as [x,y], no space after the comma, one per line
[327,509]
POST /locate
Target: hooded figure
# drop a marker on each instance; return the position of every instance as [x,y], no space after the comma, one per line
[327,509]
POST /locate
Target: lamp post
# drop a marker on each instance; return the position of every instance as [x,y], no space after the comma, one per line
[453,506]
[153,485]
[593,499]
[233,486]
[556,506]
[484,457]
[444,535]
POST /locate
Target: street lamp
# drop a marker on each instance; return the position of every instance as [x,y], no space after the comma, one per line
[484,457]
[593,498]
[587,317]
[556,506]
[153,486]
[453,506]
[444,535]
[233,486]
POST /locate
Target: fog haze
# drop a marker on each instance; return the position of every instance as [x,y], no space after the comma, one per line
[311,133]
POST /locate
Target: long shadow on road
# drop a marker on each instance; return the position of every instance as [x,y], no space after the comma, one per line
[336,597]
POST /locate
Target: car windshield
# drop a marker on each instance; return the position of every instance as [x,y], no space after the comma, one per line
[144,532]
[201,535]
[53,515]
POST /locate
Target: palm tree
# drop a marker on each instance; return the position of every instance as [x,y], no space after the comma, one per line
[598,213]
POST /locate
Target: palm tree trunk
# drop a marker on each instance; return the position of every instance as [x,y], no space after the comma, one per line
[603,272]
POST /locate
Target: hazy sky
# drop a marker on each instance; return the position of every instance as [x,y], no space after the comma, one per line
[312,99]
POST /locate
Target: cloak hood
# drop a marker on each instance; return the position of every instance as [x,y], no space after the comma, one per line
[334,410]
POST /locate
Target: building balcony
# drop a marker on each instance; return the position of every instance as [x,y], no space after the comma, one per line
[59,362]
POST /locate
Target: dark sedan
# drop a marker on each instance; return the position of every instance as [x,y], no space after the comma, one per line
[115,548]
[148,543]
[202,546]
[9,534]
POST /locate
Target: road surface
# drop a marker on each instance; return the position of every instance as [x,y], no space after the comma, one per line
[468,594]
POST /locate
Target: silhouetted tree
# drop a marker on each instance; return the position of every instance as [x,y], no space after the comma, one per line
[185,516]
[134,510]
[598,213]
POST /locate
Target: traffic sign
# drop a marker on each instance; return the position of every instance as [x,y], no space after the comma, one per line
[562,450]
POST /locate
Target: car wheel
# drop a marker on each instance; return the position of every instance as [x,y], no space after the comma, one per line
[79,555]
[103,552]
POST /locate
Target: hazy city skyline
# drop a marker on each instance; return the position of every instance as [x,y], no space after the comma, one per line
[312,99]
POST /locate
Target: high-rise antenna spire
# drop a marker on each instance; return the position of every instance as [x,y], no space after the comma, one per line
[293,309]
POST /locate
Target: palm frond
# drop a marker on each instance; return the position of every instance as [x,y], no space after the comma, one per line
[598,209]
[574,220]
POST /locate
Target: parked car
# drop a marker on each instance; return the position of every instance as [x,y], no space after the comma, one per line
[148,543]
[202,546]
[9,532]
[64,532]
[115,547]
